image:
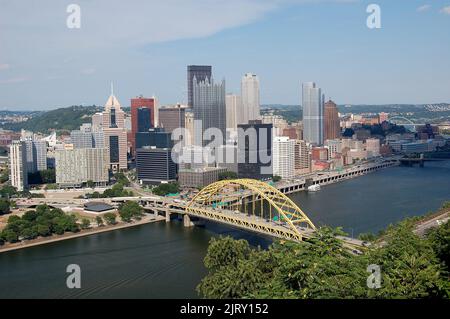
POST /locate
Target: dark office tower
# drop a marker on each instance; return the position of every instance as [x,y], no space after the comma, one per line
[138,103]
[255,150]
[209,109]
[155,137]
[154,162]
[155,165]
[144,119]
[171,118]
[201,73]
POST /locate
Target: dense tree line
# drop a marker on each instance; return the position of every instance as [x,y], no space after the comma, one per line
[116,191]
[67,119]
[44,221]
[165,189]
[411,267]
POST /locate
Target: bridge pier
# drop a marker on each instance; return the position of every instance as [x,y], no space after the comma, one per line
[167,211]
[187,221]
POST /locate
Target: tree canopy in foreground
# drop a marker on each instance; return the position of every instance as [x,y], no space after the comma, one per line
[411,267]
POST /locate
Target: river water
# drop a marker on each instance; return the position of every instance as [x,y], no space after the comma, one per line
[166,260]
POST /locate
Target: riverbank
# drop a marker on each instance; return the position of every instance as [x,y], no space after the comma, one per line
[87,232]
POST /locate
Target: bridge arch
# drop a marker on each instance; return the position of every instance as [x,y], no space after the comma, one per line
[395,118]
[229,194]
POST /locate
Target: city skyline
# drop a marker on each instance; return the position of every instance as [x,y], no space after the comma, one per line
[354,64]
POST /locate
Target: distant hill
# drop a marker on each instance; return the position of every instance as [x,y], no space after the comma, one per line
[63,119]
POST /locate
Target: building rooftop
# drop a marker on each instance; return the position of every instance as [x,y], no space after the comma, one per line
[97,207]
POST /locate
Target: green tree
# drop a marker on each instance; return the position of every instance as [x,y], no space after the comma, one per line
[5,206]
[99,221]
[276,178]
[121,178]
[4,176]
[10,235]
[439,238]
[8,191]
[410,268]
[130,210]
[90,184]
[227,175]
[165,189]
[85,223]
[110,218]
[367,237]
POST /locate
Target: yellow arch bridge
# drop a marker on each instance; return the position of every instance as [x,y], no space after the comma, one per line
[252,205]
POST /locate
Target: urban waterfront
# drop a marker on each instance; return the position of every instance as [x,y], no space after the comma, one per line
[166,260]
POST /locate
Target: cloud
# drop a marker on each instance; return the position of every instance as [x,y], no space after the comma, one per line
[423,8]
[445,10]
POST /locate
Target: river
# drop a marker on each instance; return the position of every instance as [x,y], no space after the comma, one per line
[166,260]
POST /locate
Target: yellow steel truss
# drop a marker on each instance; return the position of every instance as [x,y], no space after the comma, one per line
[228,194]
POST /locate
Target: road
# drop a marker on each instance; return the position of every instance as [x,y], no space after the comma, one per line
[424,226]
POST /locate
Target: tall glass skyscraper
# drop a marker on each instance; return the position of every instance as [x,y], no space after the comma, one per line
[209,108]
[201,73]
[143,119]
[312,113]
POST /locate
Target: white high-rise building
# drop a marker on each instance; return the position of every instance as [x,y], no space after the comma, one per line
[313,109]
[18,174]
[283,157]
[77,166]
[233,105]
[250,98]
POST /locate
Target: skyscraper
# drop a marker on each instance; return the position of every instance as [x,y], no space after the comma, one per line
[18,174]
[144,119]
[283,157]
[36,155]
[201,73]
[332,128]
[140,103]
[234,111]
[312,113]
[155,165]
[250,98]
[115,134]
[302,158]
[156,137]
[209,108]
[255,150]
[171,118]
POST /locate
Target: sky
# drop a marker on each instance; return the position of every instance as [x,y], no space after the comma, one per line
[144,46]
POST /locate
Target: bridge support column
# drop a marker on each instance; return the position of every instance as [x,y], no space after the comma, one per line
[187,221]
[167,215]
